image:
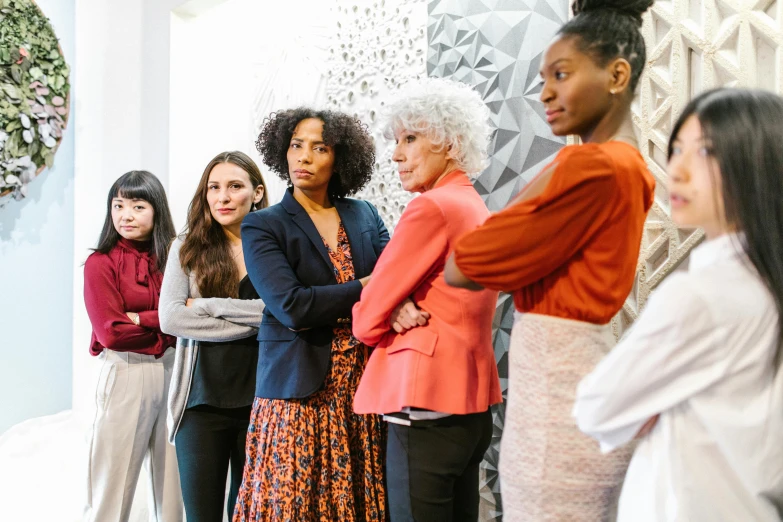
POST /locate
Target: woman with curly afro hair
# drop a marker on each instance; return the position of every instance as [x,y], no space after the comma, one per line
[309,457]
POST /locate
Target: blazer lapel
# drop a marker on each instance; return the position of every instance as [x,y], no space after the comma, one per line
[353,231]
[303,221]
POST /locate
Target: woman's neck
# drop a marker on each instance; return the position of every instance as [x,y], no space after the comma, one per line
[616,126]
[313,200]
[232,232]
[451,166]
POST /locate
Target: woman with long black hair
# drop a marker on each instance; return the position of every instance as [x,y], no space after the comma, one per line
[701,365]
[122,281]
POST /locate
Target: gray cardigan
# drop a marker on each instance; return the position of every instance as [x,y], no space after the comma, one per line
[207,319]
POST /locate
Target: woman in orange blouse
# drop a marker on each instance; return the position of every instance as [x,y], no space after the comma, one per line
[567,248]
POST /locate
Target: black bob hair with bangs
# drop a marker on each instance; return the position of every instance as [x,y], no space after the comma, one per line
[140,184]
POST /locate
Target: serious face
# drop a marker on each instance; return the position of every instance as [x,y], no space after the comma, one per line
[576,90]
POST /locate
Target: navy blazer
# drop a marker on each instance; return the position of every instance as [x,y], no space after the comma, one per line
[290,268]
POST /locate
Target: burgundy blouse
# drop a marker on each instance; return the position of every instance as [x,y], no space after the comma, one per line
[124,280]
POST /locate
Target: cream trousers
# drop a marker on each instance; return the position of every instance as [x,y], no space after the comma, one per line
[130,431]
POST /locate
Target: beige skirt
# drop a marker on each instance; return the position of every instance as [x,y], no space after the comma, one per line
[549,470]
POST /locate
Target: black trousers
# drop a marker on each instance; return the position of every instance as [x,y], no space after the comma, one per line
[433,470]
[208,440]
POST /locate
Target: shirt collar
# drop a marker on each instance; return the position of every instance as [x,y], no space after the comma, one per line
[141,247]
[722,248]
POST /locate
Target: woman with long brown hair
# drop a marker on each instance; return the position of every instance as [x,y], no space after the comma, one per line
[209,303]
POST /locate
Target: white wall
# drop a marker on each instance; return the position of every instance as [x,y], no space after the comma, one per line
[232,63]
[36,263]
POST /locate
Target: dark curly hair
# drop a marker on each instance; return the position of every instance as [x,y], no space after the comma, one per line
[609,29]
[354,151]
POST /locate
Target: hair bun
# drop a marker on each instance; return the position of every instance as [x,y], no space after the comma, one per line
[632,8]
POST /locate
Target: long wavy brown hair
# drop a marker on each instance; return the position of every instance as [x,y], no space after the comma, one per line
[205,250]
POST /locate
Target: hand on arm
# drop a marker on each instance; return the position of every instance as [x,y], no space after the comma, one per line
[111,323]
[181,315]
[418,248]
[407,315]
[648,426]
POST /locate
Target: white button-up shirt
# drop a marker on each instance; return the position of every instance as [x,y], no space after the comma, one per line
[702,356]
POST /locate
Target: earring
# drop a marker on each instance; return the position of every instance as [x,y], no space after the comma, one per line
[612,92]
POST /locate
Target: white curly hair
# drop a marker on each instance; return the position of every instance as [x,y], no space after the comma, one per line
[449,113]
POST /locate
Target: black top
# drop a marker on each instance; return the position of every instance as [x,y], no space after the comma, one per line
[225,372]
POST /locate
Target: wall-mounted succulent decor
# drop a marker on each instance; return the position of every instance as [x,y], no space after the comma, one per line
[34,90]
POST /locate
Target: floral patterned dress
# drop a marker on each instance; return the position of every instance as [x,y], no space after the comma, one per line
[313,459]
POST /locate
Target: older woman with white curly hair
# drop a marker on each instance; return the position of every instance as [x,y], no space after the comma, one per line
[433,373]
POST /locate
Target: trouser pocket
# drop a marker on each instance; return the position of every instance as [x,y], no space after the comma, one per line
[106,381]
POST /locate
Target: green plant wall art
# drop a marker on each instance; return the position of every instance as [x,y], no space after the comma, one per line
[34,96]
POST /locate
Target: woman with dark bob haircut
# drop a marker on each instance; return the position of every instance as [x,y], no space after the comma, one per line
[122,280]
[309,457]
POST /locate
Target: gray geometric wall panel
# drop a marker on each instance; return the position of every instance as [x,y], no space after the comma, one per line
[496,46]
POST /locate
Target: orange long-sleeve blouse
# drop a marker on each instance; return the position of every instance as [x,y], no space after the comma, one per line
[570,251]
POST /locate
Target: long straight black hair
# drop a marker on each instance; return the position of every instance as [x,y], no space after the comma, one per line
[744,131]
[140,184]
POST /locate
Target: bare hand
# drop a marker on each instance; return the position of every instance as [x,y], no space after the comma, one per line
[407,315]
[364,280]
[189,302]
[648,427]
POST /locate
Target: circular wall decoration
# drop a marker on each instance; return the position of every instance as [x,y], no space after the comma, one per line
[34,96]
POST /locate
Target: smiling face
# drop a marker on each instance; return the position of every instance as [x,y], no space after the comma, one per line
[310,160]
[132,218]
[694,184]
[230,194]
[420,163]
[576,90]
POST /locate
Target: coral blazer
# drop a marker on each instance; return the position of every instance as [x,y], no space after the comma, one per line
[449,364]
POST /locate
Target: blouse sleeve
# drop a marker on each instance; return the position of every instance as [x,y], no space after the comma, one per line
[673,351]
[149,319]
[528,240]
[112,327]
[418,247]
[200,322]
